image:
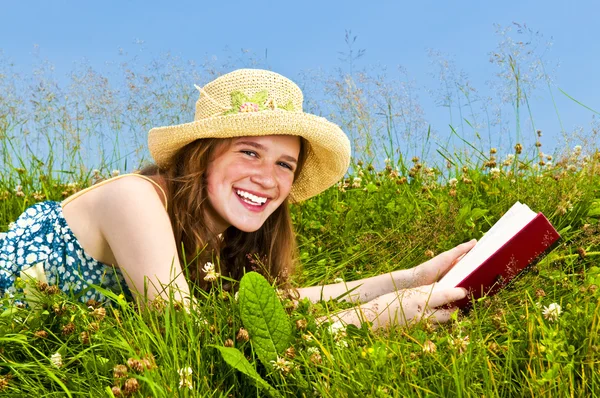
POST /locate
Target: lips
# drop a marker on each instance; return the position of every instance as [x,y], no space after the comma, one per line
[250,200]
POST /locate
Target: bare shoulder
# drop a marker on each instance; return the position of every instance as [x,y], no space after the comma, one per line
[132,200]
[131,190]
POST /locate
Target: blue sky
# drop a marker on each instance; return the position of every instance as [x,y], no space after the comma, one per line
[309,34]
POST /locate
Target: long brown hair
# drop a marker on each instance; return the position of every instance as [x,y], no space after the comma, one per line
[271,250]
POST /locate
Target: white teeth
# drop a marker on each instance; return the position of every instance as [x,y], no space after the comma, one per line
[253,198]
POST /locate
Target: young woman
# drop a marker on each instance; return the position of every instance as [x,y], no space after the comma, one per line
[219,191]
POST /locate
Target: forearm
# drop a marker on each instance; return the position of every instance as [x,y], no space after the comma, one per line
[376,312]
[362,290]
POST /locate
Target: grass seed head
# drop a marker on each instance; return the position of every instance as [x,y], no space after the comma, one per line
[116,391]
[518,149]
[135,364]
[119,371]
[99,313]
[316,358]
[301,324]
[53,289]
[131,386]
[290,352]
[3,383]
[242,335]
[68,329]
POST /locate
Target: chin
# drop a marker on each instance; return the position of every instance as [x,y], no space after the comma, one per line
[247,228]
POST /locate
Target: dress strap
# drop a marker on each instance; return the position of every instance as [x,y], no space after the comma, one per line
[77,194]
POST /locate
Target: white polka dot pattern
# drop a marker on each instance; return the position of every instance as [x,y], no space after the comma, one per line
[41,234]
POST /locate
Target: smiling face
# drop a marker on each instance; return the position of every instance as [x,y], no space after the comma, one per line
[249,179]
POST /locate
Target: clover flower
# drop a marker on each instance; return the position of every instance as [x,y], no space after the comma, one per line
[56,360]
[552,312]
[249,107]
[452,182]
[209,270]
[115,172]
[337,328]
[429,347]
[282,365]
[185,377]
[460,343]
[356,182]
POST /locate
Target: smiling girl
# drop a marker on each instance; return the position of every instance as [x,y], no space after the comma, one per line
[220,188]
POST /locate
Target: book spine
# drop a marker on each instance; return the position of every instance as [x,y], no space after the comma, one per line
[525,248]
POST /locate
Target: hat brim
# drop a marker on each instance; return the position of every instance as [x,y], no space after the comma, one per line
[328,149]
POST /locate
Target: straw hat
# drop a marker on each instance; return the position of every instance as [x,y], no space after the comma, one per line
[254,102]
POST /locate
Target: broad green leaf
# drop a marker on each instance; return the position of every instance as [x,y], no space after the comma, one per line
[237,99]
[594,210]
[238,361]
[260,97]
[288,107]
[264,317]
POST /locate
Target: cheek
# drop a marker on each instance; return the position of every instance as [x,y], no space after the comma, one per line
[286,182]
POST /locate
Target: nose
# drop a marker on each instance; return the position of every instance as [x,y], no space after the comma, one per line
[264,175]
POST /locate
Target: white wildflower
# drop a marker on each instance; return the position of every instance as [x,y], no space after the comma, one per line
[337,328]
[115,172]
[429,346]
[356,182]
[452,182]
[341,344]
[185,378]
[282,364]
[56,360]
[338,280]
[387,160]
[313,350]
[495,171]
[211,274]
[460,343]
[552,312]
[307,337]
[577,150]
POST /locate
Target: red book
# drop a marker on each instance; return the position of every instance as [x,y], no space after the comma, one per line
[519,239]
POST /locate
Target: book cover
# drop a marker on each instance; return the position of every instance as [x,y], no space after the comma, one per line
[519,239]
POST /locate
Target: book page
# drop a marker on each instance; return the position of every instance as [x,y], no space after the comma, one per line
[517,217]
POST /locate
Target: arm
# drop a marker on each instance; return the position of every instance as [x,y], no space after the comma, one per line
[403,307]
[370,288]
[365,289]
[137,228]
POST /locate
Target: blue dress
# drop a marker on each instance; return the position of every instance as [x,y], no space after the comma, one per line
[41,234]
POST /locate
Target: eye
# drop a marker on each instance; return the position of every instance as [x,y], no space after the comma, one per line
[249,153]
[286,165]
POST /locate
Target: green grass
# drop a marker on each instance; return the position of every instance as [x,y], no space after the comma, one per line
[503,347]
[382,217]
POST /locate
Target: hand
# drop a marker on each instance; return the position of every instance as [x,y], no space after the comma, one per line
[408,306]
[431,271]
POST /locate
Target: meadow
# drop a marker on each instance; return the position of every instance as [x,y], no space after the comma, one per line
[397,207]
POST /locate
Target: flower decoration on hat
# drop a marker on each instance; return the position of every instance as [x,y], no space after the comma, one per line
[241,103]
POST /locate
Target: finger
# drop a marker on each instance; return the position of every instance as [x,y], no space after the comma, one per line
[442,315]
[463,248]
[445,296]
